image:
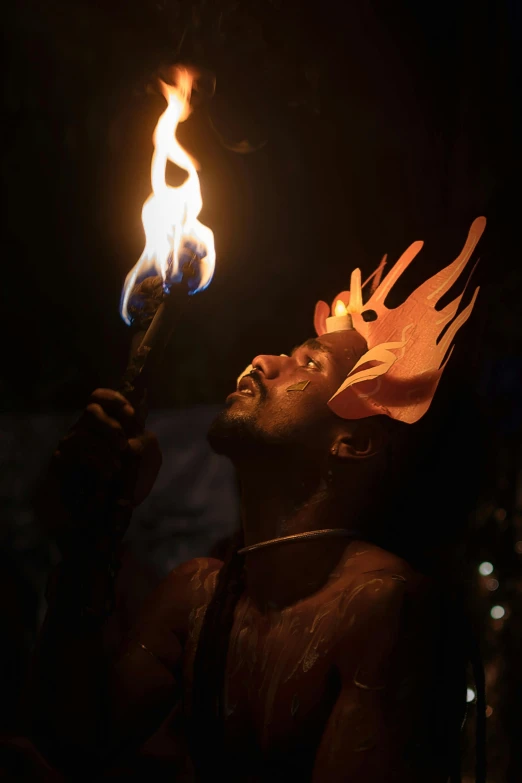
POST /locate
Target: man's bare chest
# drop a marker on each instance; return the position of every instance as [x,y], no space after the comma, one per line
[280,680]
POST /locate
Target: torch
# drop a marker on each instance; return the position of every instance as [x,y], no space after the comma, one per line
[179,257]
[177,262]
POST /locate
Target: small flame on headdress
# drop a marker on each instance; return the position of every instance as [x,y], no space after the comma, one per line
[406,356]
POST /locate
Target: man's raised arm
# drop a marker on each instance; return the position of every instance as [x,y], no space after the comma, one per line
[82,701]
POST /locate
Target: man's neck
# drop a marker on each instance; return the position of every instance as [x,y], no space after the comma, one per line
[283,495]
[287,493]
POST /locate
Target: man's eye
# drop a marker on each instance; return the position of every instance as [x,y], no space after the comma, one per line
[311,363]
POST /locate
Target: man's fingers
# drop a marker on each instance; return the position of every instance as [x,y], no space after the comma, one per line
[100,421]
[147,442]
[116,406]
[110,395]
[113,400]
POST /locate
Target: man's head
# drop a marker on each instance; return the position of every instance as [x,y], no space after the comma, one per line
[345,394]
[281,401]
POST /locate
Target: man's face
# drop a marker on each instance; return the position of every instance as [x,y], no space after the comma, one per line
[283,399]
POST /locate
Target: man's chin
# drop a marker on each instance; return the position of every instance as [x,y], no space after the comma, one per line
[232,431]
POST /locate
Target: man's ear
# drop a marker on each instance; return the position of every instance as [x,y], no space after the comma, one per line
[358,440]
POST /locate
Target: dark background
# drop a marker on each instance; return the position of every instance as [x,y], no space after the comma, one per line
[383,123]
[372,124]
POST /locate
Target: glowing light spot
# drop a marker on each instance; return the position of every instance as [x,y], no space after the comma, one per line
[500,514]
[470,695]
[497,612]
[485,568]
[489,711]
[173,233]
[492,584]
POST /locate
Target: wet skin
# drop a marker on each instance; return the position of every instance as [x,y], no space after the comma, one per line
[330,685]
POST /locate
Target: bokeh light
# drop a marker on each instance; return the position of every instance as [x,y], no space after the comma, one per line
[497,612]
[485,568]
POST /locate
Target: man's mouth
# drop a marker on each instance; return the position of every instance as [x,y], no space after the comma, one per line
[248,385]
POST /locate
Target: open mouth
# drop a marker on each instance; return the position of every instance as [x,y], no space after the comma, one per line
[248,386]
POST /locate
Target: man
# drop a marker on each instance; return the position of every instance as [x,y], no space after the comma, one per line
[314,654]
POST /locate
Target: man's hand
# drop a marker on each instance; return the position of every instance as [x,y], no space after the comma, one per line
[110,416]
[106,458]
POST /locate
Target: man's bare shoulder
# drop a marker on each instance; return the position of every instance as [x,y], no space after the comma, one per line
[192,570]
[188,587]
[365,561]
[195,580]
[376,587]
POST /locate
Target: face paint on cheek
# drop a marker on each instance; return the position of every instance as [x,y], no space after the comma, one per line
[301,386]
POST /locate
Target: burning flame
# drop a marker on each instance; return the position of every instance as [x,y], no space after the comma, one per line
[348,302]
[340,308]
[173,233]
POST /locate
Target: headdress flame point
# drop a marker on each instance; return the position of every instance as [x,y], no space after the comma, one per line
[400,371]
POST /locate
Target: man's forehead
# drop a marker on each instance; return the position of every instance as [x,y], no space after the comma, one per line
[334,342]
[314,344]
[339,346]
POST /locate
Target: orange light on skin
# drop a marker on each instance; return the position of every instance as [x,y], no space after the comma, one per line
[173,233]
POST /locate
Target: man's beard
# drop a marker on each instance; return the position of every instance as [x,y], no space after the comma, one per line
[240,431]
[235,430]
[241,428]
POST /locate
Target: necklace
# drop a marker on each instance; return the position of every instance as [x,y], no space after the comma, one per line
[334,531]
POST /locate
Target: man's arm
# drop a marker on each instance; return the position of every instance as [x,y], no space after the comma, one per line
[365,740]
[146,679]
[84,703]
[81,700]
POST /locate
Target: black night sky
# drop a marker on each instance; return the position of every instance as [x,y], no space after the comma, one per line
[378,124]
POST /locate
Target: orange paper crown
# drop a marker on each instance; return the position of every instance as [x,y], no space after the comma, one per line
[400,371]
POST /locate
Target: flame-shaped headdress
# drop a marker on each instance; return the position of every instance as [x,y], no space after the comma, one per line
[400,371]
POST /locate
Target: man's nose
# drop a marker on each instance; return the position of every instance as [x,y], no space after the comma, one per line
[269,365]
